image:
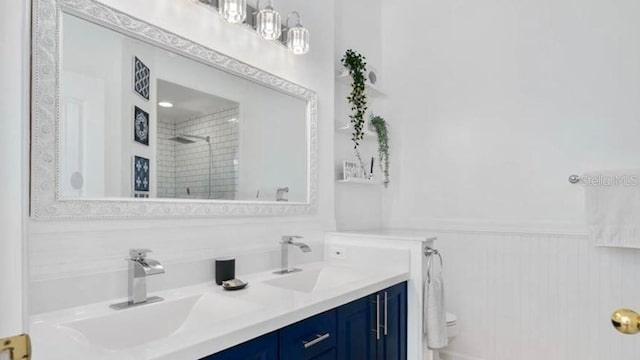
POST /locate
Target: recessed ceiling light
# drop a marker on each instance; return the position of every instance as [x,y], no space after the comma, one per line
[165,104]
[233,120]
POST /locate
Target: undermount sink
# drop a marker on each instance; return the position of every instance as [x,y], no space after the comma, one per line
[313,280]
[127,328]
[118,330]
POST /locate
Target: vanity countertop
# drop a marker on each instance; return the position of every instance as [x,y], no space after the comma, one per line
[392,233]
[200,320]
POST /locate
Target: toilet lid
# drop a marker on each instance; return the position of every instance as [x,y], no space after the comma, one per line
[451,319]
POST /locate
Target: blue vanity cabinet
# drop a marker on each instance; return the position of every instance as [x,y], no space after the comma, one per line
[314,338]
[356,330]
[262,348]
[371,328]
[375,327]
[393,337]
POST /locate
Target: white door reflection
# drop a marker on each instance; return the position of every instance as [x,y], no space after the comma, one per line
[83,109]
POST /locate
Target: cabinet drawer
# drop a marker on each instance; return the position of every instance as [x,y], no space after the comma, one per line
[262,348]
[313,338]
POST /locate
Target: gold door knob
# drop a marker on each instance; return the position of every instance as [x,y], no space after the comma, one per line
[626,321]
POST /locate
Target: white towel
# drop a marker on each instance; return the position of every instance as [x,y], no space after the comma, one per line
[612,201]
[435,314]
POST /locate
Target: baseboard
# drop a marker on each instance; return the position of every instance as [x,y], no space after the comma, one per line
[449,355]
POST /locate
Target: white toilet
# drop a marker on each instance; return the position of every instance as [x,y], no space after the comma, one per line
[452,328]
[452,332]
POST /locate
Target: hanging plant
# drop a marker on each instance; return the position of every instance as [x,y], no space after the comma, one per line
[380,125]
[357,67]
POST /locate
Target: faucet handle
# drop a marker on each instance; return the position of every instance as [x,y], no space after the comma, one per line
[289,238]
[138,254]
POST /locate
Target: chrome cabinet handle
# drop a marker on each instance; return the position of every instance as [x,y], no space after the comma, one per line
[377,329]
[386,312]
[319,338]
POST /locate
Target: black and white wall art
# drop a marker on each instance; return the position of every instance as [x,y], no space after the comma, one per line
[141,173]
[141,78]
[140,126]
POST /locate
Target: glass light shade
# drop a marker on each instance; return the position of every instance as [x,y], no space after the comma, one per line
[234,11]
[269,24]
[298,40]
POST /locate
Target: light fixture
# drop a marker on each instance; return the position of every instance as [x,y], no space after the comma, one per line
[297,36]
[165,104]
[268,22]
[234,11]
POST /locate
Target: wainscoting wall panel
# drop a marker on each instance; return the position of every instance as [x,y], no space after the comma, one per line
[530,296]
[78,263]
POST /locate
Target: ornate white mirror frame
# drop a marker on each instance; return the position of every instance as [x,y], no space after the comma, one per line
[46,202]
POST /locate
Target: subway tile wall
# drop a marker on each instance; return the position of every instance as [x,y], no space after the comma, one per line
[183,169]
[166,171]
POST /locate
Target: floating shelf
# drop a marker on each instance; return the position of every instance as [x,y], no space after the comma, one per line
[360,181]
[372,90]
[368,134]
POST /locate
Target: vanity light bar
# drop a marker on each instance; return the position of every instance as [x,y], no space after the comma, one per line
[260,21]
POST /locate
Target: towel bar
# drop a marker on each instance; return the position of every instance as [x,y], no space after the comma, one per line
[574,179]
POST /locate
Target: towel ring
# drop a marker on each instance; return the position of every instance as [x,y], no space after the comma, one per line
[429,252]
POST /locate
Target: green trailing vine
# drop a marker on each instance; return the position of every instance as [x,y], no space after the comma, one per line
[380,125]
[357,66]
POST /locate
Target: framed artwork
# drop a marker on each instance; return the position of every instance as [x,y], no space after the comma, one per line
[352,170]
[141,78]
[140,126]
[141,173]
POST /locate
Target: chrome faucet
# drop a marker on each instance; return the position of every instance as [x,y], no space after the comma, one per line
[139,269]
[285,243]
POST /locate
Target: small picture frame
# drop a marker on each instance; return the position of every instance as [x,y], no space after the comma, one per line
[141,171]
[352,170]
[140,126]
[141,78]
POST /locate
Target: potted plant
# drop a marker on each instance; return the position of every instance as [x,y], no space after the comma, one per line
[380,126]
[356,64]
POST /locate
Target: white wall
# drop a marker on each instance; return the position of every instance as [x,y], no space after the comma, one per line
[496,104]
[357,28]
[74,262]
[13,141]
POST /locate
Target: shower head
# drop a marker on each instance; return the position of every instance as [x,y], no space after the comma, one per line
[181,140]
[189,139]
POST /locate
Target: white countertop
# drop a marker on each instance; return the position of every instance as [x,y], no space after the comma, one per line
[221,319]
[395,234]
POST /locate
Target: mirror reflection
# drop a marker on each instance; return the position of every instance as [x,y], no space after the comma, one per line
[139,121]
[198,144]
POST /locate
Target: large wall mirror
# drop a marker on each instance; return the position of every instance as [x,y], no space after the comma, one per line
[133,121]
